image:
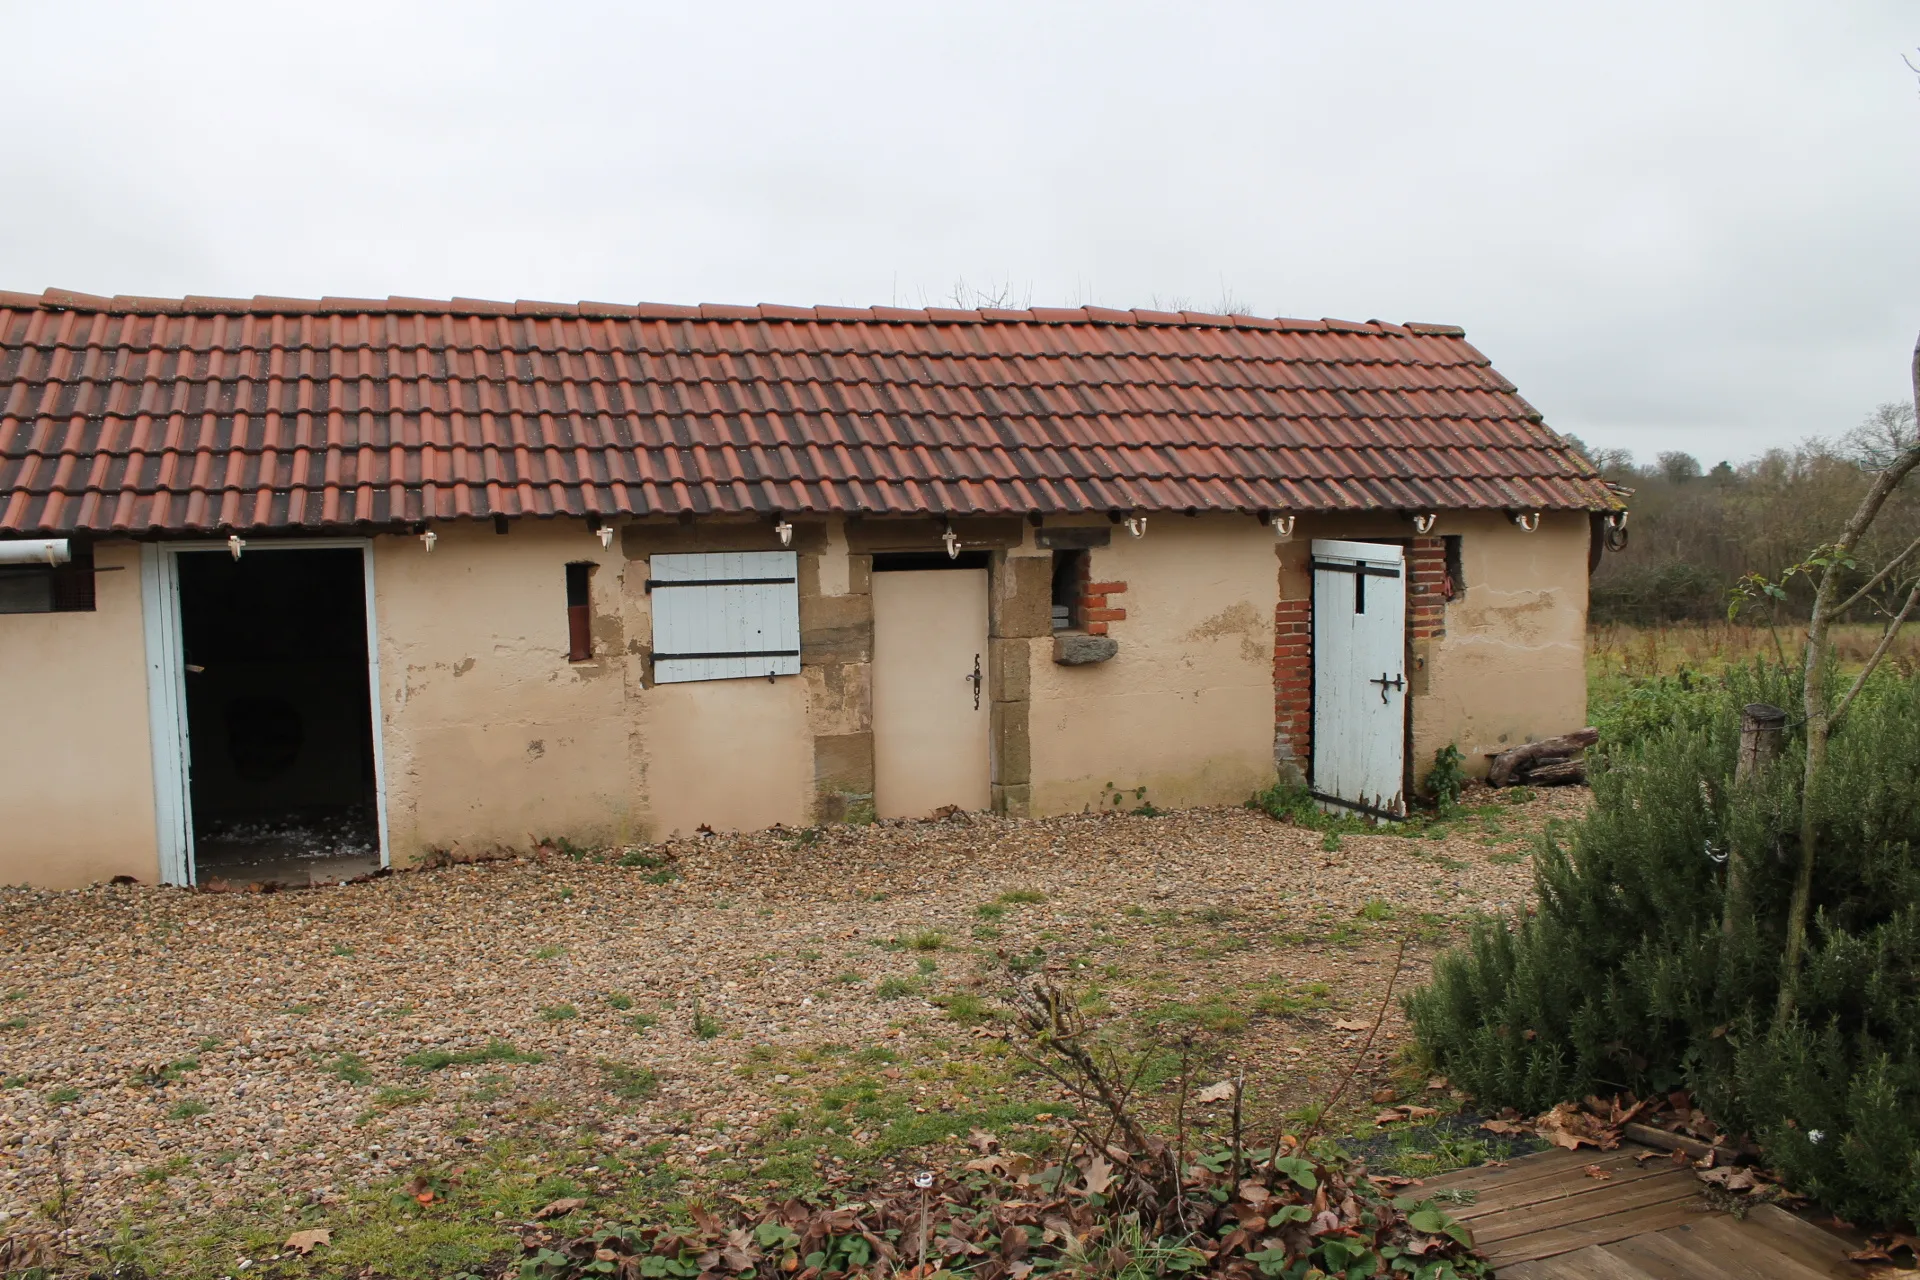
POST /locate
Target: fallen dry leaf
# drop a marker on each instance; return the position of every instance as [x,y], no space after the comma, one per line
[1222,1092]
[1506,1127]
[305,1242]
[1352,1024]
[1595,1171]
[561,1208]
[1099,1175]
[1383,1096]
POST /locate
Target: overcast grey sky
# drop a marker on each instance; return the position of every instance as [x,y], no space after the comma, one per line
[1674,223]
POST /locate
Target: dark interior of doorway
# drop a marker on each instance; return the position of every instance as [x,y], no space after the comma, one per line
[279,716]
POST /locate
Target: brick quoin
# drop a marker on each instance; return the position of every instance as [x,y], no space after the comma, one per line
[1293,681]
[1428,589]
[1092,608]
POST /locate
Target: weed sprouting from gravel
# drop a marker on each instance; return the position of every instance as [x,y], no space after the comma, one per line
[495,1051]
[629,1082]
[350,1067]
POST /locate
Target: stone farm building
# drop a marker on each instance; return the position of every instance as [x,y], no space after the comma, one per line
[377,579]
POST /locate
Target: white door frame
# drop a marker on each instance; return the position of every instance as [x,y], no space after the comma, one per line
[167,690]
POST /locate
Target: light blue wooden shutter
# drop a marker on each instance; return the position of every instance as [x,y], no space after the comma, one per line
[725,615]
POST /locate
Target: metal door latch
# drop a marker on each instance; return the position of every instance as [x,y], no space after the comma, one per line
[1385,684]
[976,679]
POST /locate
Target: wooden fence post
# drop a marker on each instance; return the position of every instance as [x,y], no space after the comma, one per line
[1762,732]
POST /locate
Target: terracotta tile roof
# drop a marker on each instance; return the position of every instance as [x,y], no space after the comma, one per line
[150,415]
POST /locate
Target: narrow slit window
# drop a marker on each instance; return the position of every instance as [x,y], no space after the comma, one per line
[579,612]
[44,588]
[1456,583]
[1069,587]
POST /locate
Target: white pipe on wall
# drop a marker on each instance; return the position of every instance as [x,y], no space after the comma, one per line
[35,551]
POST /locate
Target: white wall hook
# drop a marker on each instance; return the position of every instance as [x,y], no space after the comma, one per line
[236,544]
[1527,520]
[1137,526]
[1424,522]
[952,540]
[785,530]
[1283,526]
[606,536]
[428,538]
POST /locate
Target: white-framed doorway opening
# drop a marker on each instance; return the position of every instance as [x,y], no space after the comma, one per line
[188,589]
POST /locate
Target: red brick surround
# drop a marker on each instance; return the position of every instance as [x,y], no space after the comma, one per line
[1427,589]
[1094,613]
[1293,681]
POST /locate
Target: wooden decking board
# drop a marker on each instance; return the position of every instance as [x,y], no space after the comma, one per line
[1799,1239]
[1590,1263]
[1518,1193]
[1752,1251]
[1487,1175]
[1602,1202]
[1665,1258]
[1618,1226]
[1542,1218]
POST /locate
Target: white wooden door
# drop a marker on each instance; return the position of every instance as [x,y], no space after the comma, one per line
[1359,676]
[930,707]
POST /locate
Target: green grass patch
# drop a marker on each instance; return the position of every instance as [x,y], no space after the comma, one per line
[559,1012]
[400,1095]
[967,1009]
[495,1051]
[629,1082]
[1215,1013]
[350,1067]
[187,1109]
[897,988]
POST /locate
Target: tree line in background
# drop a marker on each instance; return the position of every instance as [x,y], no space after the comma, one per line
[1696,532]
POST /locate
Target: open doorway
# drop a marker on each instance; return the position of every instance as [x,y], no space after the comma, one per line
[281,783]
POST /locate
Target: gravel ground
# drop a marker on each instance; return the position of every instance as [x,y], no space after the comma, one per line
[169,1054]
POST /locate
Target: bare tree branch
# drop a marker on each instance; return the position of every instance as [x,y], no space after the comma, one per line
[1878,578]
[1886,643]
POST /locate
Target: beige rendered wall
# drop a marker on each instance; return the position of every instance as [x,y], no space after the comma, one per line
[1512,665]
[491,737]
[1185,708]
[76,762]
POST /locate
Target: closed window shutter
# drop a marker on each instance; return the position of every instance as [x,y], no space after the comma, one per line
[727,615]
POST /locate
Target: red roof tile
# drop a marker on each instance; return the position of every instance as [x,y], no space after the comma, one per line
[160,415]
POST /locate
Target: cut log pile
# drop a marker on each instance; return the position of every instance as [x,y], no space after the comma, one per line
[1549,762]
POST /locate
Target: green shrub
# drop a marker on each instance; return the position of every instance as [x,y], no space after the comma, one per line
[1624,978]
